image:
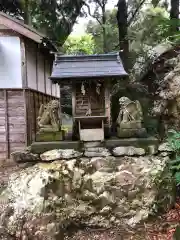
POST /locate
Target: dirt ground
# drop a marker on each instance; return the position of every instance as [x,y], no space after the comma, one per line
[161,228]
[158,229]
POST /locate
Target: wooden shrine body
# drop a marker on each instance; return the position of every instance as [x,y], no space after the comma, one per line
[91,108]
[91,79]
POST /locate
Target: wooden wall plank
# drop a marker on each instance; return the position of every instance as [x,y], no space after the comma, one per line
[16,119]
[16,146]
[25,128]
[6,124]
[31,63]
[3,156]
[41,70]
[108,102]
[2,138]
[24,63]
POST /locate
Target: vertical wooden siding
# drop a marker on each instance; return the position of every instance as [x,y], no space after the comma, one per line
[16,120]
[39,66]
[3,144]
[12,122]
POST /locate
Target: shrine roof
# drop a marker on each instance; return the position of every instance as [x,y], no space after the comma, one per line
[89,66]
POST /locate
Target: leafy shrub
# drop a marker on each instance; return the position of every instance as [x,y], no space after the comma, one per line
[174,142]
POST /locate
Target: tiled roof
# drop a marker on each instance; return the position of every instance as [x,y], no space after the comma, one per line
[103,65]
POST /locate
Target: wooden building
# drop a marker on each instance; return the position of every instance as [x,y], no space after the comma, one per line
[25,67]
[91,78]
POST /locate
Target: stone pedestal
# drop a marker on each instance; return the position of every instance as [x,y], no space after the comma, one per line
[131,129]
[131,133]
[49,136]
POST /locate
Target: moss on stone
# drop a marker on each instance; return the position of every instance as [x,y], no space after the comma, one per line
[49,136]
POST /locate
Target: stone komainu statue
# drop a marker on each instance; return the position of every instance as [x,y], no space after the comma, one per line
[49,119]
[129,111]
[129,121]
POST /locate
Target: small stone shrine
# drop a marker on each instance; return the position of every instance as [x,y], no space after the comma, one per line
[91,78]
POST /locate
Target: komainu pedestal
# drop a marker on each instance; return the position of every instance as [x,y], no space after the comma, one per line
[49,122]
[129,121]
[49,136]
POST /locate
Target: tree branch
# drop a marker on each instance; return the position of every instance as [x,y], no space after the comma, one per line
[135,12]
[92,15]
[88,8]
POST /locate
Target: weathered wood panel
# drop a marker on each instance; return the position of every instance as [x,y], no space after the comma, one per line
[12,121]
[108,103]
[41,73]
[47,75]
[16,113]
[3,143]
[57,90]
[31,62]
[53,89]
[91,100]
[38,68]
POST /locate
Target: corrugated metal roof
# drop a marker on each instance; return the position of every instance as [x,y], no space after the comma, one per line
[103,65]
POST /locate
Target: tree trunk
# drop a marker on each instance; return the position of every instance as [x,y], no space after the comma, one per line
[27,13]
[104,27]
[123,32]
[174,14]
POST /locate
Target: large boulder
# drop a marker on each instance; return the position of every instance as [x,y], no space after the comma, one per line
[47,196]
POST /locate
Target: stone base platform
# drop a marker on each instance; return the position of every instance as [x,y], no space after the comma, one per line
[131,132]
[136,142]
[40,147]
[49,136]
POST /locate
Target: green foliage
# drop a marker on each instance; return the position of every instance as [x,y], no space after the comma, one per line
[149,30]
[111,33]
[79,45]
[176,235]
[174,142]
[56,18]
[52,17]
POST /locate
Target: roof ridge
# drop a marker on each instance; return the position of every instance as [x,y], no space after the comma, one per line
[23,29]
[22,24]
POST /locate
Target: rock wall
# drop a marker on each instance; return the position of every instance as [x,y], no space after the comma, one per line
[162,82]
[101,191]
